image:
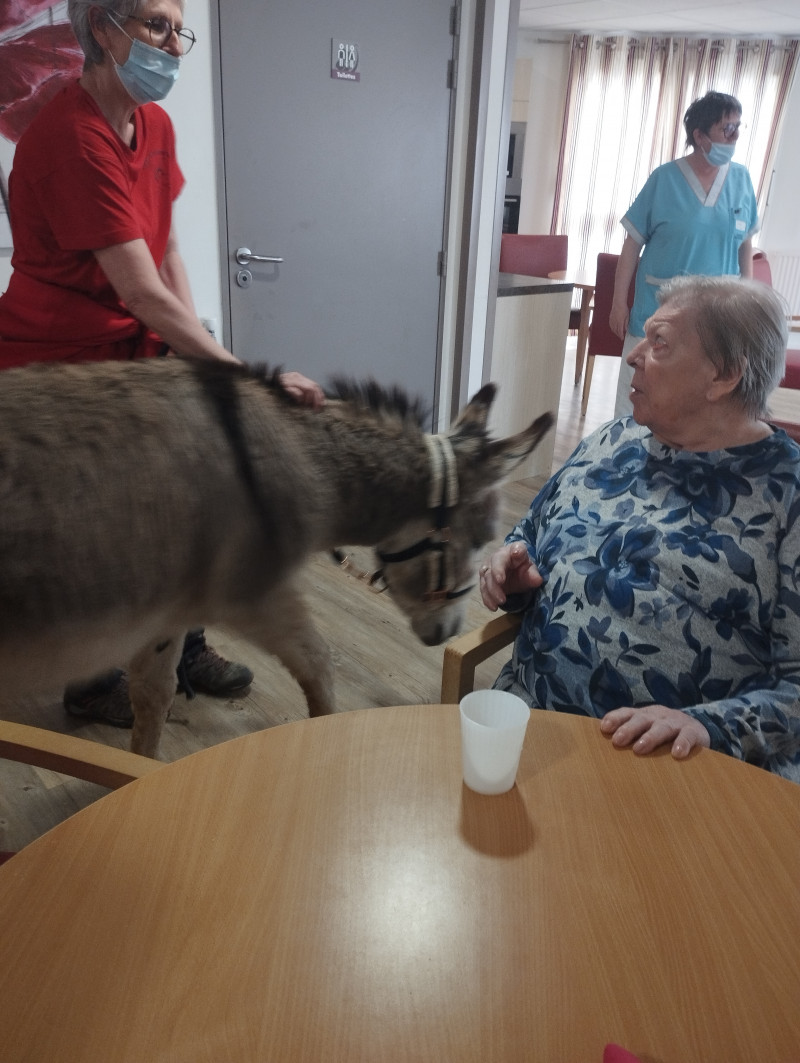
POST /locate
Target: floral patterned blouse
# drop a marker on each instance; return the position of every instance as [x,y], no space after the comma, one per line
[671,578]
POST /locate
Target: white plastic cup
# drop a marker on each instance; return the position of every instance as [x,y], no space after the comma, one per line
[493,724]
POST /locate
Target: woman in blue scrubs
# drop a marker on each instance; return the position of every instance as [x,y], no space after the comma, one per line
[694,215]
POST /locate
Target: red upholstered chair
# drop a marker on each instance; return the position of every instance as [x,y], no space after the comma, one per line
[791,428]
[536,256]
[791,378]
[761,268]
[763,272]
[601,339]
[532,255]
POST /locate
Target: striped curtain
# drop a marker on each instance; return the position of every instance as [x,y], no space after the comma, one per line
[623,116]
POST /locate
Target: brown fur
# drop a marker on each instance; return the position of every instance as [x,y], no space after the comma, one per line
[138,500]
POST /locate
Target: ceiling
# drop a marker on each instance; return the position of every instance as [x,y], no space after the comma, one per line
[748,18]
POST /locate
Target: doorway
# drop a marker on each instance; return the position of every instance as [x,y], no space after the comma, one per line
[341,180]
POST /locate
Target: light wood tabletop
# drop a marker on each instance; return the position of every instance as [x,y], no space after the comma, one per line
[329,890]
[585,280]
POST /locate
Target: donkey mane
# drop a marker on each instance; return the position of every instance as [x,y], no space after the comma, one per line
[367,396]
[372,397]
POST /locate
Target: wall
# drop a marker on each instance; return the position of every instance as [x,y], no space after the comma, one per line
[780,226]
[548,65]
[190,105]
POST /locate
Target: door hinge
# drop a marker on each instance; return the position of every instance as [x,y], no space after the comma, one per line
[441,265]
[455,19]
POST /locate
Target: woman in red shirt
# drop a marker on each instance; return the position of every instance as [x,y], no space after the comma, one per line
[97,273]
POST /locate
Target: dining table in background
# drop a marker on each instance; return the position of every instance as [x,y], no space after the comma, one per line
[584,279]
[329,890]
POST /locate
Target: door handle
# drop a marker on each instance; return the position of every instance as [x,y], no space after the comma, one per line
[244,256]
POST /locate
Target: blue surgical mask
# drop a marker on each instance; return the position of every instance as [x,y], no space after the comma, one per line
[719,154]
[148,73]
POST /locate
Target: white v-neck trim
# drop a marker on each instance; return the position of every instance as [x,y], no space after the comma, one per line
[710,199]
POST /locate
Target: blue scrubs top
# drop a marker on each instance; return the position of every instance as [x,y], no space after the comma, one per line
[686,231]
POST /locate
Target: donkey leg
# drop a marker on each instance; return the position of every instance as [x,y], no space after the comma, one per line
[290,635]
[151,676]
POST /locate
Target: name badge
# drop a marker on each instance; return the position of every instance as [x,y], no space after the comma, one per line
[740,226]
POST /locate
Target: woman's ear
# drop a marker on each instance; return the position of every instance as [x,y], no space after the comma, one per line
[98,23]
[721,387]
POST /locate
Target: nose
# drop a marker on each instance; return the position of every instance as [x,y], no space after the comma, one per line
[637,351]
[173,44]
[433,638]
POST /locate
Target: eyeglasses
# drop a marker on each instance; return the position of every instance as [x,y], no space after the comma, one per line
[732,129]
[161,29]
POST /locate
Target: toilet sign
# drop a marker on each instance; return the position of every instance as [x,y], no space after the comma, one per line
[344,60]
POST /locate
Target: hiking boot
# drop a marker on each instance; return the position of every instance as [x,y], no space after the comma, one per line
[203,671]
[105,699]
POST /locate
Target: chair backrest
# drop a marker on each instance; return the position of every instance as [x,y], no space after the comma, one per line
[531,255]
[105,765]
[761,268]
[601,339]
[791,377]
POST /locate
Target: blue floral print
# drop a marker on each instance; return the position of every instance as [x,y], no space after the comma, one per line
[671,578]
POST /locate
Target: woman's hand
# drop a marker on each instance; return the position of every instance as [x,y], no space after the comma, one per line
[626,267]
[652,726]
[618,320]
[303,390]
[508,571]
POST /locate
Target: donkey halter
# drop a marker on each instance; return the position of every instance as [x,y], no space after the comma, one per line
[443,495]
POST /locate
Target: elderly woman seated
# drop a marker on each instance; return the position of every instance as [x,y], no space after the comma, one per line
[659,569]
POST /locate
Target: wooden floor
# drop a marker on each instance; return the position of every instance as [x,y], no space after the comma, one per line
[378,660]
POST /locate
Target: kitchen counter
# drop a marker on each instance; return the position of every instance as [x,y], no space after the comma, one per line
[527,362]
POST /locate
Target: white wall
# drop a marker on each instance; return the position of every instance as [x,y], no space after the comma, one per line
[549,66]
[780,226]
[190,105]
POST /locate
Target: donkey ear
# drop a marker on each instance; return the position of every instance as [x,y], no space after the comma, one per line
[508,453]
[476,413]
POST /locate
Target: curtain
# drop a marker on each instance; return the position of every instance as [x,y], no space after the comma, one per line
[623,116]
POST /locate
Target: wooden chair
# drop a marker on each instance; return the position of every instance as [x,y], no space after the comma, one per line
[105,765]
[535,255]
[464,654]
[601,339]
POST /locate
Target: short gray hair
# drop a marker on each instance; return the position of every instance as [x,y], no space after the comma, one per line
[78,12]
[742,326]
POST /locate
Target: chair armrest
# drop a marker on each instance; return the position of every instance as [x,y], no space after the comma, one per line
[462,655]
[105,765]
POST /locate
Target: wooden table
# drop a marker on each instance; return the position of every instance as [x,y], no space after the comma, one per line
[328,890]
[585,280]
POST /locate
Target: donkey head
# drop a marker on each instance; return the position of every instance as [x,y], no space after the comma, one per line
[429,564]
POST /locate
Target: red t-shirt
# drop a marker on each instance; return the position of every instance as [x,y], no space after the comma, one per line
[75,187]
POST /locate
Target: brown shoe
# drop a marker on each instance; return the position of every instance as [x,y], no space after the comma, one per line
[203,671]
[105,698]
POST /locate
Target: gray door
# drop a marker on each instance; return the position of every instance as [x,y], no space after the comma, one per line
[343,178]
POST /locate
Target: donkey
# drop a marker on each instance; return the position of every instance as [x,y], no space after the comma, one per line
[139,500]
